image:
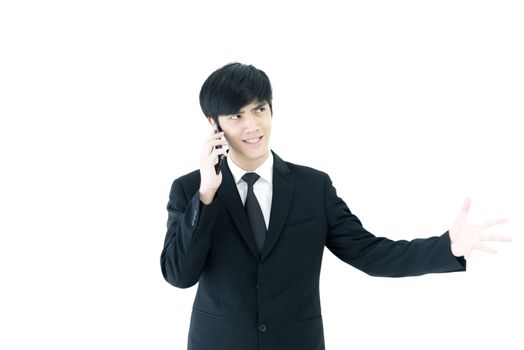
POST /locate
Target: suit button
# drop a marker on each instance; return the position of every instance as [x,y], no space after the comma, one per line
[262,327]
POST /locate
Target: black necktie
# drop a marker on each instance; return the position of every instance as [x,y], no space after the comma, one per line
[253,211]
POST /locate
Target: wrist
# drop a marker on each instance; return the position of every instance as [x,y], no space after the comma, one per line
[206,196]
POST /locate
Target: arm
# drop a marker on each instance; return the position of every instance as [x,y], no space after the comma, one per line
[188,237]
[191,216]
[379,256]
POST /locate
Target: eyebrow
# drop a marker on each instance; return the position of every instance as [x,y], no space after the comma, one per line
[261,104]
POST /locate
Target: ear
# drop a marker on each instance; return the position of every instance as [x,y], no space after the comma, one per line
[211,120]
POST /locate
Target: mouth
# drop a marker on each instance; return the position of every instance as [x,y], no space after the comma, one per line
[254,141]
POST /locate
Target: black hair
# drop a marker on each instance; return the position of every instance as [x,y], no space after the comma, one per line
[233,86]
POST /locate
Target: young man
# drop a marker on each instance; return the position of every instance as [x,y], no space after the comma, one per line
[253,235]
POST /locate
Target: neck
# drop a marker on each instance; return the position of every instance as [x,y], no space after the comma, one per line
[247,164]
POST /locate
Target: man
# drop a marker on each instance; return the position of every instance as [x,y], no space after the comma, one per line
[253,234]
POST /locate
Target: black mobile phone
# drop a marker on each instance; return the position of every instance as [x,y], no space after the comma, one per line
[217,129]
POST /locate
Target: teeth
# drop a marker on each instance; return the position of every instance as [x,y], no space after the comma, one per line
[253,140]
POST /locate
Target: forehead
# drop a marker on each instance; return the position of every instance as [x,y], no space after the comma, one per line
[253,105]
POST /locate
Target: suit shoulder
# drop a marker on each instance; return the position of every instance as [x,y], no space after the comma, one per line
[189,182]
[307,172]
[189,177]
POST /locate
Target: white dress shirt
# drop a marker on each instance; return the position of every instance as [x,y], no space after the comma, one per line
[263,188]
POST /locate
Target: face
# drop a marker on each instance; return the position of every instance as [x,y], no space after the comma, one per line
[247,133]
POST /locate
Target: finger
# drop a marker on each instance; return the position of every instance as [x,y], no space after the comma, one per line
[211,150]
[485,248]
[217,142]
[492,223]
[215,136]
[465,207]
[494,238]
[216,152]
[213,145]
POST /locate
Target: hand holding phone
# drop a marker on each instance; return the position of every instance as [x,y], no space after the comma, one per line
[210,178]
[217,129]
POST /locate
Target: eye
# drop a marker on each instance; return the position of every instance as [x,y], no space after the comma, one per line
[261,109]
[234,116]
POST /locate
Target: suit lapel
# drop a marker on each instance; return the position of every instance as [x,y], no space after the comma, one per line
[229,195]
[283,188]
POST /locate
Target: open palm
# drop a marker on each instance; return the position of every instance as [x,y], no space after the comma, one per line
[465,237]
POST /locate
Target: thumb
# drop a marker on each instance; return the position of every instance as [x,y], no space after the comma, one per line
[465,207]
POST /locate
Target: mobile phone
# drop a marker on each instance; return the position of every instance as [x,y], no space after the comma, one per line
[221,157]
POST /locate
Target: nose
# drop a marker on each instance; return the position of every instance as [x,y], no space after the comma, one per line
[250,123]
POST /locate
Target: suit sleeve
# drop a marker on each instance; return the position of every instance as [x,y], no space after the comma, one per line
[379,256]
[188,237]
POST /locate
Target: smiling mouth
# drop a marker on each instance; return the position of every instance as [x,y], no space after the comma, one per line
[253,141]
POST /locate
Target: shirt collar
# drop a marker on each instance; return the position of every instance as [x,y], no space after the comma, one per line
[265,170]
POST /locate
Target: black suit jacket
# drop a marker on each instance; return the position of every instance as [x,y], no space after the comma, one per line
[246,300]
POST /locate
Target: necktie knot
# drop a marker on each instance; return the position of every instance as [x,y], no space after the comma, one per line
[250,179]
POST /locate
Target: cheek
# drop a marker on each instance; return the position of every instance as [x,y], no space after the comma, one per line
[231,135]
[267,128]
[233,141]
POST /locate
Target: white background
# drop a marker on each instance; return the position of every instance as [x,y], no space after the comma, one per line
[410,106]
